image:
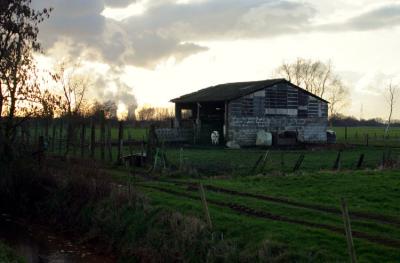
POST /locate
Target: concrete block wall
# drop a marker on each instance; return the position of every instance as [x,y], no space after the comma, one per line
[244,130]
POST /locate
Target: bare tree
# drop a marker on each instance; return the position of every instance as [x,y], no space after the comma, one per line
[391,97]
[72,87]
[147,113]
[318,78]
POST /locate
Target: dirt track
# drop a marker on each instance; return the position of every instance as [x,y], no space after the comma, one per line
[327,209]
[388,242]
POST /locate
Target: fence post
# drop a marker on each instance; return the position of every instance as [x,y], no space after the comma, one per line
[345,133]
[347,227]
[28,133]
[336,165]
[109,145]
[254,169]
[60,134]
[180,159]
[205,206]
[92,139]
[36,134]
[53,137]
[83,135]
[264,162]
[298,163]
[102,136]
[360,161]
[120,141]
[367,139]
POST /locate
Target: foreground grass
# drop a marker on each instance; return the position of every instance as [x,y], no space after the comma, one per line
[369,191]
[7,255]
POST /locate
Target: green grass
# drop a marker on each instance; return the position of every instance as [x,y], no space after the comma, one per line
[358,135]
[371,191]
[7,255]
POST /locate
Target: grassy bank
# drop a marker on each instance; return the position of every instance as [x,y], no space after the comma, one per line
[75,196]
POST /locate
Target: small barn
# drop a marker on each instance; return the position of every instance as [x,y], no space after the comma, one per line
[239,111]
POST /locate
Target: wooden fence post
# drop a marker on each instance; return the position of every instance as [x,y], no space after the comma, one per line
[60,136]
[298,163]
[205,206]
[336,165]
[254,169]
[347,227]
[28,133]
[53,137]
[360,161]
[180,159]
[120,141]
[92,139]
[36,134]
[367,140]
[264,161]
[109,143]
[345,133]
[83,135]
[102,136]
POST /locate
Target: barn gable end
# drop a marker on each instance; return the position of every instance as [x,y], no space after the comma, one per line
[277,109]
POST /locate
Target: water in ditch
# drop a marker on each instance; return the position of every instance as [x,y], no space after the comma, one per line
[38,244]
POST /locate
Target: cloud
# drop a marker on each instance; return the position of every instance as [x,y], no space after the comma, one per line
[382,17]
[379,17]
[166,28]
[118,3]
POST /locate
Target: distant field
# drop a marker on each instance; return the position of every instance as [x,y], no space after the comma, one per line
[211,161]
[250,221]
[358,135]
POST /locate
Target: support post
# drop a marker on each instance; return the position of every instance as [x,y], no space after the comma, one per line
[178,115]
[226,121]
[198,123]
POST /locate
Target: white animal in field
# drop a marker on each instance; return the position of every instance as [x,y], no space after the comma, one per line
[215,137]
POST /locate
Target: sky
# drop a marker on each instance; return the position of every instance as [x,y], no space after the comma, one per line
[151,51]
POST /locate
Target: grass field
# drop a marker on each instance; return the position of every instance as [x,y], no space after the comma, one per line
[273,205]
[358,135]
[368,193]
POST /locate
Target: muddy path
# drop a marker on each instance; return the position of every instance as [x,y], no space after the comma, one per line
[244,210]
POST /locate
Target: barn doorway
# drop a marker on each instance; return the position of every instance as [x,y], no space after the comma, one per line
[212,119]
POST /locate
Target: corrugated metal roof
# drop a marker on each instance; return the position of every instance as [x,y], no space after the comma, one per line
[230,91]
